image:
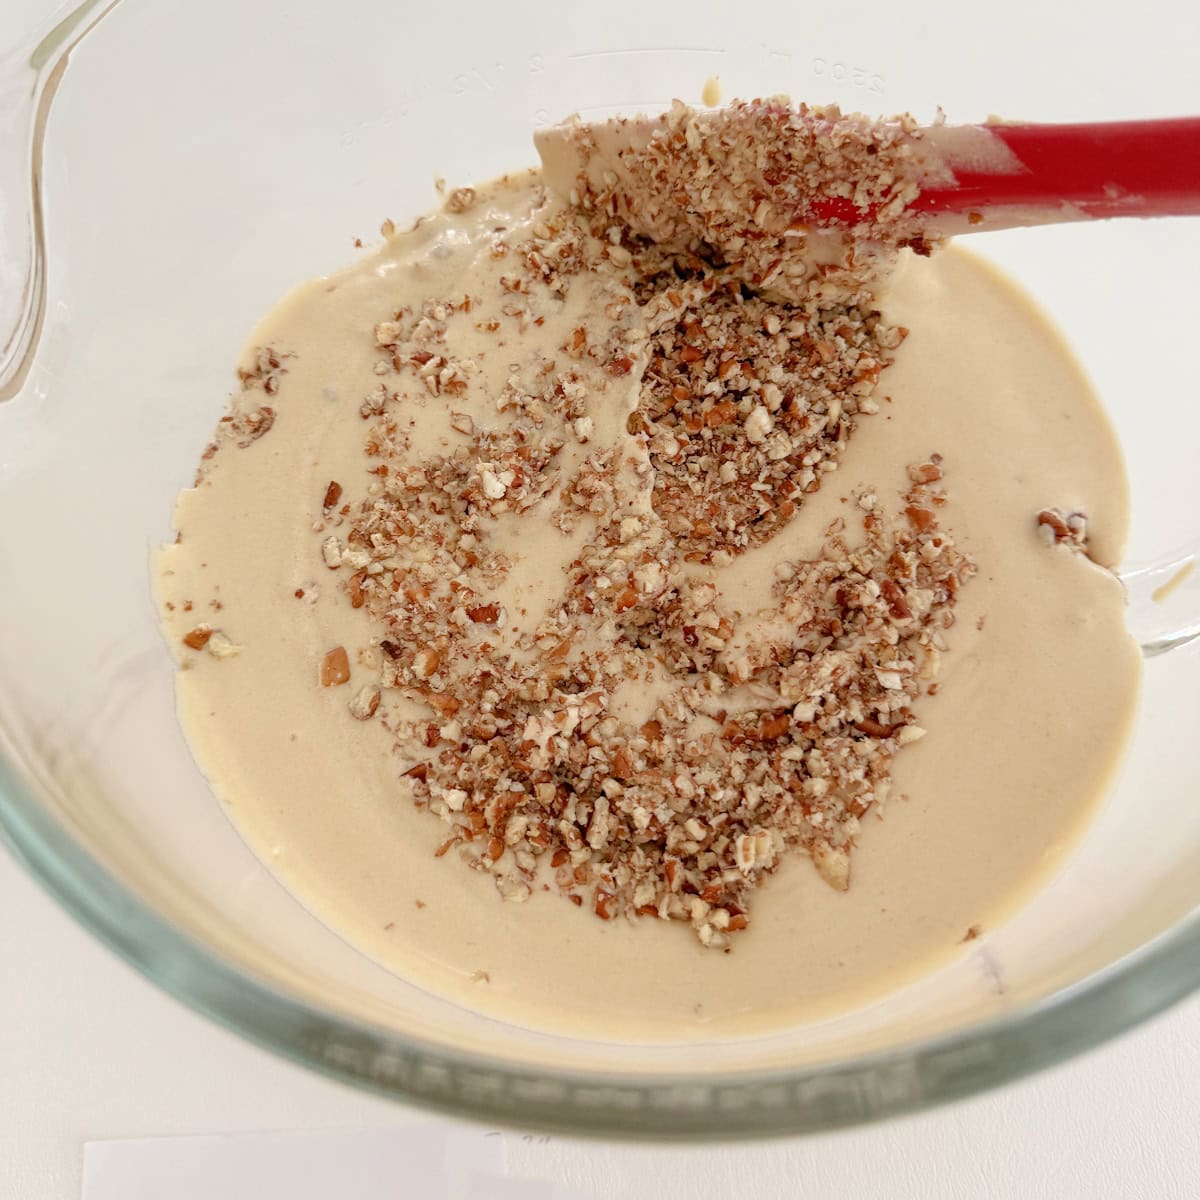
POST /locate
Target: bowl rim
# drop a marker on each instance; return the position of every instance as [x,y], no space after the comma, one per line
[735,1105]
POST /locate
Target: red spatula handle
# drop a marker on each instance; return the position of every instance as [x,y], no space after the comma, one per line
[1114,169]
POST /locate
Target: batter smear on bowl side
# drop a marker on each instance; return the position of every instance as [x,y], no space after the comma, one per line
[562,550]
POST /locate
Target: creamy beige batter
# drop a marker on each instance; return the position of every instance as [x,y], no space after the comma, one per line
[1036,693]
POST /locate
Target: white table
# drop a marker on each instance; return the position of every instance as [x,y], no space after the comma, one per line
[89,1050]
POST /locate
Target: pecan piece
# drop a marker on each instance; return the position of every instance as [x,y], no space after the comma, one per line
[335,667]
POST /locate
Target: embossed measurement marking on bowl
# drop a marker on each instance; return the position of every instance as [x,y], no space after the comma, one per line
[1035,701]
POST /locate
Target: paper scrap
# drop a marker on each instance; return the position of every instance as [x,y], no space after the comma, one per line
[425,1161]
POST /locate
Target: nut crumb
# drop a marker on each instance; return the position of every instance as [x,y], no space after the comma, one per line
[335,667]
[197,638]
[460,200]
[1059,528]
[220,645]
[365,704]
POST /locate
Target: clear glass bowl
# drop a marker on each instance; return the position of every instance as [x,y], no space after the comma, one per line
[199,159]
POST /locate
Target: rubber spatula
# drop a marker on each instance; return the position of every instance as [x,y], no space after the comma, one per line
[1004,174]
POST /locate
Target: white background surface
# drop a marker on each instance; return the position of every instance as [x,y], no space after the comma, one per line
[88,1050]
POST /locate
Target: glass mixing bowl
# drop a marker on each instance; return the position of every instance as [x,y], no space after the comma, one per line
[190,164]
